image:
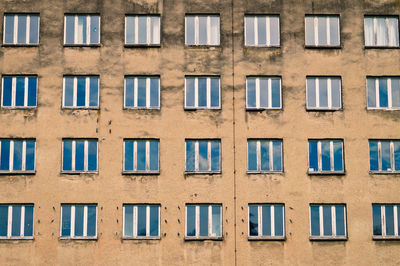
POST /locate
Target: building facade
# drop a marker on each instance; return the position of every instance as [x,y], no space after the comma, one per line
[180,132]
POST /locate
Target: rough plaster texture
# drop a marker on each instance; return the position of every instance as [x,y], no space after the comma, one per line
[47,189]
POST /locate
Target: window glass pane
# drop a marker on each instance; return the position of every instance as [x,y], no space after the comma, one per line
[94,29]
[249,22]
[214,92]
[310,38]
[274,31]
[17,161]
[322,38]
[265,155]
[276,92]
[30,155]
[190,155]
[326,210]
[141,155]
[203,155]
[323,92]
[128,166]
[129,92]
[79,155]
[278,220]
[251,92]
[253,220]
[381,32]
[7,91]
[142,27]
[395,92]
[141,220]
[266,220]
[383,93]
[326,155]
[214,30]
[32,88]
[3,220]
[141,92]
[338,156]
[28,223]
[16,220]
[5,155]
[396,146]
[371,92]
[155,30]
[369,31]
[190,30]
[79,209]
[373,156]
[340,221]
[128,223]
[190,220]
[92,156]
[69,91]
[154,155]
[21,28]
[202,30]
[335,86]
[263,92]
[190,82]
[313,155]
[154,220]
[66,220]
[20,91]
[67,155]
[261,30]
[277,153]
[216,220]
[252,155]
[70,29]
[314,220]
[81,30]
[91,221]
[376,220]
[81,91]
[393,30]
[203,220]
[385,150]
[334,30]
[154,92]
[9,29]
[94,91]
[34,29]
[202,92]
[130,30]
[215,156]
[311,96]
[389,218]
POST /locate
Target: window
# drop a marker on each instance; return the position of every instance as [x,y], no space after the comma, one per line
[141,156]
[322,31]
[142,30]
[203,156]
[19,92]
[82,29]
[79,155]
[78,221]
[384,156]
[263,93]
[16,221]
[142,92]
[202,93]
[203,221]
[264,155]
[21,29]
[381,31]
[385,220]
[266,221]
[328,221]
[17,156]
[202,30]
[323,93]
[325,156]
[383,93]
[141,221]
[262,30]
[81,92]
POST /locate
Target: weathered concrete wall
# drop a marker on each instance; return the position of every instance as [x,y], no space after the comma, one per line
[171,124]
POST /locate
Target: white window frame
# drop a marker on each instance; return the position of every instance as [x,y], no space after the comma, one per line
[28,28]
[135,91]
[196,92]
[260,221]
[88,31]
[389,93]
[135,156]
[197,222]
[149,31]
[13,94]
[11,158]
[86,155]
[258,99]
[383,221]
[375,36]
[197,29]
[196,156]
[333,222]
[271,157]
[320,171]
[268,31]
[87,93]
[22,229]
[392,159]
[135,222]
[72,225]
[317,93]
[327,30]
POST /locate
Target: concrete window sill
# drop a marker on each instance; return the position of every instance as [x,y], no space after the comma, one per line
[18,172]
[266,238]
[327,173]
[142,238]
[19,45]
[14,238]
[203,238]
[386,238]
[66,238]
[141,172]
[328,238]
[203,173]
